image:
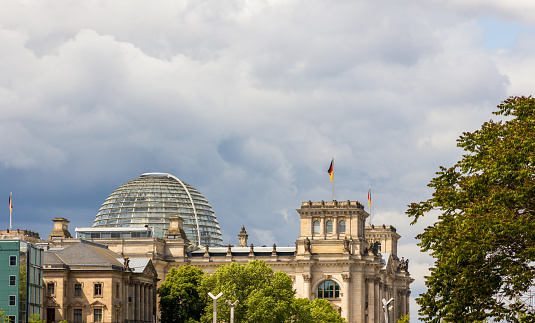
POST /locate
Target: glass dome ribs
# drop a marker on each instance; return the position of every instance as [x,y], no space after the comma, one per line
[152,199]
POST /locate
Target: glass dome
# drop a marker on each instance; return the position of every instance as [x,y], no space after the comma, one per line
[152,199]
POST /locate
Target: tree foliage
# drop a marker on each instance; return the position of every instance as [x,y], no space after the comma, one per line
[3,317]
[180,298]
[316,311]
[483,241]
[263,295]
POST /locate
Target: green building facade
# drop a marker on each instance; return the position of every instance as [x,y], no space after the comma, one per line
[21,274]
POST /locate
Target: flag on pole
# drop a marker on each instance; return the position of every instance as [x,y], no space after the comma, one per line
[10,204]
[369,197]
[330,171]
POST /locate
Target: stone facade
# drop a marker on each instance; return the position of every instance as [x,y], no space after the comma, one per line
[86,282]
[335,257]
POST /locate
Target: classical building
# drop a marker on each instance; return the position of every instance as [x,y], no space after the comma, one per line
[20,279]
[336,257]
[87,282]
[109,272]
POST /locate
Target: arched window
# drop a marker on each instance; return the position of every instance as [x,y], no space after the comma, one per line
[316,226]
[328,289]
[329,226]
[342,226]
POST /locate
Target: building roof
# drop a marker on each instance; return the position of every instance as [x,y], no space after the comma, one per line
[83,253]
[137,265]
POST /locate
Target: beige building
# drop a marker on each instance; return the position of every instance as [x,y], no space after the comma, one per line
[336,257]
[87,282]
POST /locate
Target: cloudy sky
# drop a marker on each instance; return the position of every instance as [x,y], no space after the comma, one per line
[248,101]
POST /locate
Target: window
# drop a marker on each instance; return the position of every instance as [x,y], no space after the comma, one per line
[50,289]
[77,315]
[342,226]
[98,289]
[328,289]
[12,280]
[97,315]
[77,289]
[316,226]
[117,291]
[12,300]
[378,246]
[329,226]
[12,260]
[12,319]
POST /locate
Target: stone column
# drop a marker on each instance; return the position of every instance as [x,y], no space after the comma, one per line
[322,226]
[143,302]
[346,308]
[371,299]
[359,315]
[335,226]
[129,314]
[306,285]
[136,302]
[378,298]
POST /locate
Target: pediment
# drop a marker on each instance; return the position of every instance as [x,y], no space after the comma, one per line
[150,270]
[76,304]
[97,304]
[50,302]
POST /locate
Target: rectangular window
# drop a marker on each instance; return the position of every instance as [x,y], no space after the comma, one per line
[12,280]
[12,260]
[12,319]
[12,300]
[50,289]
[77,315]
[98,289]
[77,289]
[97,315]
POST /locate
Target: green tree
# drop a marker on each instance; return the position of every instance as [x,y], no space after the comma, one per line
[3,317]
[316,311]
[180,298]
[264,296]
[405,319]
[35,318]
[483,241]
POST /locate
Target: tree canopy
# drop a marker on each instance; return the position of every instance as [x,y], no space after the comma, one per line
[483,241]
[264,296]
[180,298]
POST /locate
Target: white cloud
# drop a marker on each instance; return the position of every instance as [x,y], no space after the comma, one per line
[248,101]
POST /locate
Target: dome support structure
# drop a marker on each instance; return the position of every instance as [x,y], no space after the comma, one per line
[189,196]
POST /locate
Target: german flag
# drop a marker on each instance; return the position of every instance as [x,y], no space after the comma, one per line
[330,171]
[10,204]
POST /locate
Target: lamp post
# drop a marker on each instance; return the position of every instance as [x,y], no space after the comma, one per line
[232,305]
[215,304]
[385,307]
